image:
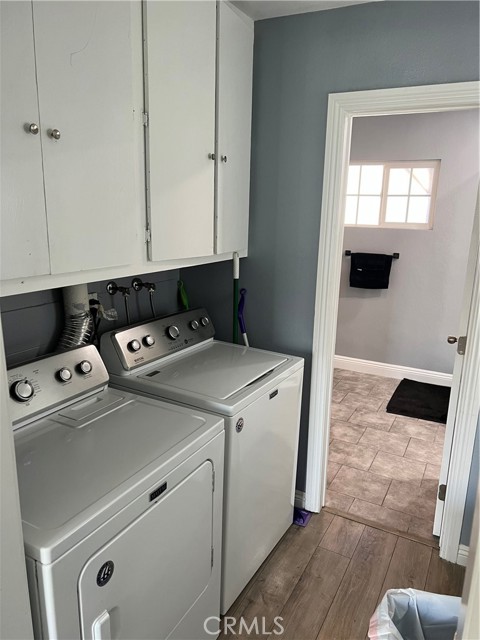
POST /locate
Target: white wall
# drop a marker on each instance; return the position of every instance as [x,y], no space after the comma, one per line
[15,621]
[408,323]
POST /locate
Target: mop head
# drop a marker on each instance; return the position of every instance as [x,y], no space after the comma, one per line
[301,517]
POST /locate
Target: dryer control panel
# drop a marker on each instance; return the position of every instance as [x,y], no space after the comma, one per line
[136,346]
[47,383]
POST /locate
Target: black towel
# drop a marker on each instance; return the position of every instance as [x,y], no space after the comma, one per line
[370,270]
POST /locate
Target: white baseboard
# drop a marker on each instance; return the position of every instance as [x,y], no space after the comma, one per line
[392,370]
[462,556]
[300,499]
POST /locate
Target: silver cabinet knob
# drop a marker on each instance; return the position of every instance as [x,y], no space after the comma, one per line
[452,339]
[212,156]
[224,159]
[55,134]
[33,128]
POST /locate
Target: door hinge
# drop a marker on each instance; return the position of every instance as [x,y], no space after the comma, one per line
[148,235]
[146,119]
[442,490]
[461,346]
[211,559]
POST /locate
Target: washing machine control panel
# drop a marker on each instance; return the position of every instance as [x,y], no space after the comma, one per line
[157,339]
[46,383]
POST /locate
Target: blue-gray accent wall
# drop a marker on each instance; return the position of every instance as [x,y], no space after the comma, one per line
[298,61]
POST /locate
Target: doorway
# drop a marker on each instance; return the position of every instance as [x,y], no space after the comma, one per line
[343,108]
[384,463]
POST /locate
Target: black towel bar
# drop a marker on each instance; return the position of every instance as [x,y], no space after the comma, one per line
[395,256]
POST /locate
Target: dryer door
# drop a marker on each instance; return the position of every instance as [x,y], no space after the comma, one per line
[144,581]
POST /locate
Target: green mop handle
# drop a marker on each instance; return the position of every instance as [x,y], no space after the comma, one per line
[236,278]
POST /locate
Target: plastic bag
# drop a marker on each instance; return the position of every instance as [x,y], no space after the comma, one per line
[409,614]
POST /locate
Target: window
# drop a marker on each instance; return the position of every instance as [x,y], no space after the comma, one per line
[394,195]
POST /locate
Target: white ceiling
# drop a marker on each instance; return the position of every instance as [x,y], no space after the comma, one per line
[262,9]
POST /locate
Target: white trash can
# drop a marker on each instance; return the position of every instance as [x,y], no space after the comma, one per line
[409,614]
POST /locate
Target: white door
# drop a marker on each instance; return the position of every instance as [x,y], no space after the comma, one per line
[180,43]
[84,67]
[24,243]
[463,410]
[145,580]
[234,121]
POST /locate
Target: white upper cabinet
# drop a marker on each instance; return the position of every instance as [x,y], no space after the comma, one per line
[198,77]
[69,71]
[84,69]
[234,118]
[180,48]
[23,232]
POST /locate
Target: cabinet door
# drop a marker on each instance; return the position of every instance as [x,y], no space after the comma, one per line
[180,79]
[234,116]
[84,67]
[24,243]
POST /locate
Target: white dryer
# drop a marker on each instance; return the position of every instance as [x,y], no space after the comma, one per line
[121,501]
[257,392]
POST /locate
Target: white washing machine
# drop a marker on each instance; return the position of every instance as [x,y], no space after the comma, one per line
[121,501]
[257,392]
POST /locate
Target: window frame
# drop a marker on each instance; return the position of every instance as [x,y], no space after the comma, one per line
[398,164]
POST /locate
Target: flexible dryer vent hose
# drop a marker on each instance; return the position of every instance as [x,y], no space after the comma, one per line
[77,329]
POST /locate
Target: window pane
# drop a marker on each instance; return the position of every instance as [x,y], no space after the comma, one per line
[418,210]
[353,178]
[368,210]
[371,179]
[351,210]
[422,181]
[396,209]
[398,182]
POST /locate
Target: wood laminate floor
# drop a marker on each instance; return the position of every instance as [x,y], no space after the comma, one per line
[325,580]
[381,467]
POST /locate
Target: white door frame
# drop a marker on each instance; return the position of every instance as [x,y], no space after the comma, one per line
[342,108]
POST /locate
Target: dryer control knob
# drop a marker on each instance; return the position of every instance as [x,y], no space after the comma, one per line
[173,332]
[85,367]
[64,375]
[134,345]
[22,390]
[149,341]
[204,321]
[194,325]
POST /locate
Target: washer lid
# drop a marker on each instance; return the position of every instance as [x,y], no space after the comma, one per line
[218,371]
[72,478]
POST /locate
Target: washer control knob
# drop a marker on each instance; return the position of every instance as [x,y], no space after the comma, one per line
[64,375]
[22,390]
[173,332]
[134,345]
[194,325]
[85,367]
[204,321]
[149,341]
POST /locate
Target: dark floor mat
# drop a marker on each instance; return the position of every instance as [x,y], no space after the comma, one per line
[420,400]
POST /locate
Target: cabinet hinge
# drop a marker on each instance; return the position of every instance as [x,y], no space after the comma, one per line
[442,490]
[148,235]
[213,480]
[146,119]
[211,559]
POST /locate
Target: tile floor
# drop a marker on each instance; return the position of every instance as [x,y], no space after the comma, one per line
[381,466]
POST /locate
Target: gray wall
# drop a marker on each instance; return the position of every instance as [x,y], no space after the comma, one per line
[408,323]
[33,322]
[471,491]
[298,61]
